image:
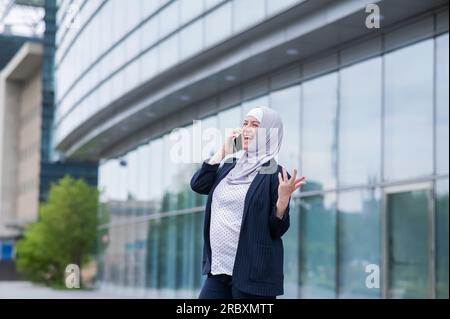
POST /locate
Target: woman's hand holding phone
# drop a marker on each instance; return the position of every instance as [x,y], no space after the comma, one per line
[227,148]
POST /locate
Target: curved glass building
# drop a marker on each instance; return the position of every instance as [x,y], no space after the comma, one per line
[365,110]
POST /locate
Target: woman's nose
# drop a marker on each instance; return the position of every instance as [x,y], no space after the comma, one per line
[245,129]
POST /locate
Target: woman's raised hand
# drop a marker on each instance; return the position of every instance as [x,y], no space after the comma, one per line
[228,146]
[285,189]
[288,185]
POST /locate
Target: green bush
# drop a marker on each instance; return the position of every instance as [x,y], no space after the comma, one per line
[64,234]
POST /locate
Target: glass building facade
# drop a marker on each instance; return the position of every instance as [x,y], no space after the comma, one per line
[366,121]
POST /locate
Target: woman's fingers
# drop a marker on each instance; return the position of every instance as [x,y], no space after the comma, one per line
[293,181]
[297,185]
[285,177]
[303,178]
[294,175]
[300,181]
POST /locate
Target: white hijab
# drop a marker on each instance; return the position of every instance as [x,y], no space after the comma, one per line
[264,146]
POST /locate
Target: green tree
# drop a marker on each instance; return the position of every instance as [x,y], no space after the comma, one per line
[64,234]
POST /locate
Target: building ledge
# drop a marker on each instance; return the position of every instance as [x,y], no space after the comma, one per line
[24,63]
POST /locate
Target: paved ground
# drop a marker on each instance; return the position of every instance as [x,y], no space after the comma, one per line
[27,290]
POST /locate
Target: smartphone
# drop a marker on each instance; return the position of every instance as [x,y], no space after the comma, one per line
[238,143]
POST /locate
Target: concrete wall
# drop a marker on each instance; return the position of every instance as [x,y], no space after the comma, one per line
[29,139]
[20,136]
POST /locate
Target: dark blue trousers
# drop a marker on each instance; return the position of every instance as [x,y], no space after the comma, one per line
[220,287]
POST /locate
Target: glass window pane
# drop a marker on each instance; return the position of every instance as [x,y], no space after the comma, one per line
[132,75]
[148,64]
[218,24]
[442,239]
[186,268]
[170,262]
[442,130]
[247,13]
[119,26]
[409,112]
[132,175]
[319,132]
[291,244]
[170,186]
[209,138]
[359,241]
[248,105]
[168,53]
[153,251]
[144,175]
[360,124]
[211,3]
[140,254]
[229,120]
[168,19]
[156,173]
[287,103]
[149,33]
[191,39]
[133,13]
[408,244]
[186,168]
[190,9]
[317,249]
[148,7]
[275,6]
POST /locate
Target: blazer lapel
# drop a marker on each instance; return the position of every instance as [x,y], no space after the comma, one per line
[251,192]
[223,172]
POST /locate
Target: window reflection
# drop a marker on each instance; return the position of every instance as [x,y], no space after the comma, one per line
[408,119]
[360,124]
[287,103]
[408,240]
[291,246]
[209,138]
[317,246]
[442,224]
[156,173]
[442,106]
[359,241]
[319,132]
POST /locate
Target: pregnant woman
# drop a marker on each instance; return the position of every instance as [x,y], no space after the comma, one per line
[247,212]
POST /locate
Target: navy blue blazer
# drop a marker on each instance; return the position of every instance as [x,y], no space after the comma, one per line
[258,267]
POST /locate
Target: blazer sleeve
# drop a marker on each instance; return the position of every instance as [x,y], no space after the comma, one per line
[204,178]
[277,226]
